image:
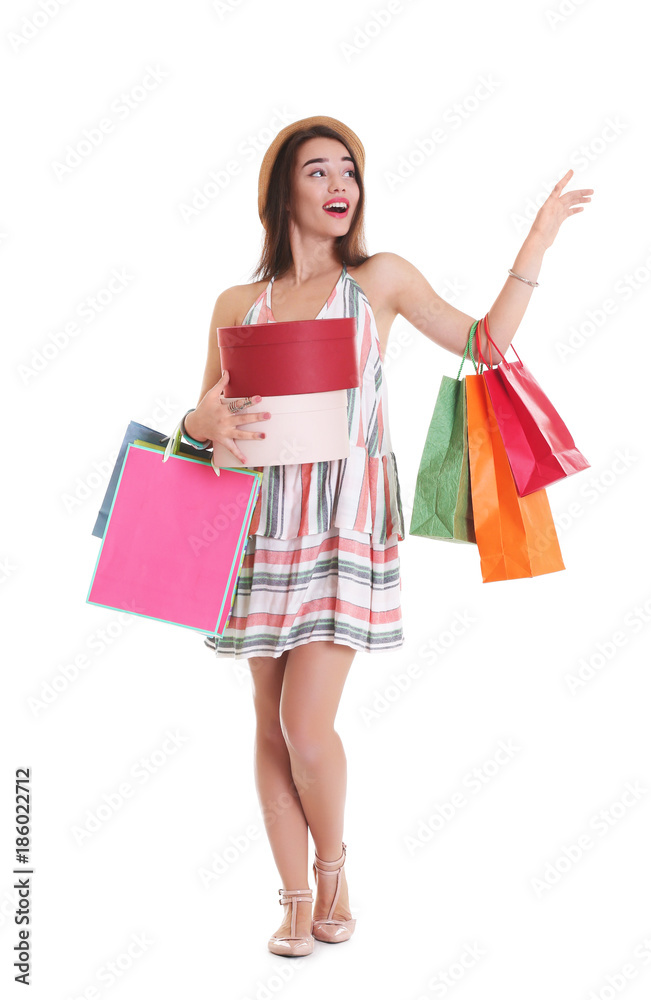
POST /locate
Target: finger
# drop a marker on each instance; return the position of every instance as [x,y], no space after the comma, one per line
[247,418]
[235,451]
[239,400]
[248,435]
[221,382]
[231,445]
[244,401]
[237,432]
[563,181]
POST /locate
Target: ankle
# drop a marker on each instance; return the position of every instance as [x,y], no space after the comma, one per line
[337,861]
[329,856]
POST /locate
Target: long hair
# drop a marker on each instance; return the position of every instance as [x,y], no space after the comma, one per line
[276,254]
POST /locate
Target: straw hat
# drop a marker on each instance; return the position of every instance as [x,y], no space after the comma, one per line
[269,158]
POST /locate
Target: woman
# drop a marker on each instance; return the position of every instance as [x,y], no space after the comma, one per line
[320,578]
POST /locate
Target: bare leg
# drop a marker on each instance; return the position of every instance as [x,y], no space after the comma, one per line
[313,681]
[282,811]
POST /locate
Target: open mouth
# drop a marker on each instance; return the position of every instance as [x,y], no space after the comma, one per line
[336,208]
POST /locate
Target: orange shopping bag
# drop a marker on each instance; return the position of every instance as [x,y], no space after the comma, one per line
[516,536]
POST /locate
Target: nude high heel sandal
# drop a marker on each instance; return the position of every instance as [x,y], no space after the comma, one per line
[292,945]
[329,929]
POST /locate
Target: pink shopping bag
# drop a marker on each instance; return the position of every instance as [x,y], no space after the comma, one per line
[175,539]
[540,448]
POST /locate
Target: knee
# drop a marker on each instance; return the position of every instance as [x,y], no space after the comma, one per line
[269,731]
[305,739]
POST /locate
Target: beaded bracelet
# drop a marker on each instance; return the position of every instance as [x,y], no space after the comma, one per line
[191,440]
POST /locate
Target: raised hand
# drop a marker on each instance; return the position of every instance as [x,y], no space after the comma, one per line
[557,208]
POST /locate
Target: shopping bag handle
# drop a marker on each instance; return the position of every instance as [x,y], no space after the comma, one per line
[491,341]
[174,443]
[472,356]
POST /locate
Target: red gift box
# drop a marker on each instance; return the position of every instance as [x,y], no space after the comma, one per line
[280,359]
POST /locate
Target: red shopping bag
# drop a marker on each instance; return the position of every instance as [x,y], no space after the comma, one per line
[540,448]
[516,536]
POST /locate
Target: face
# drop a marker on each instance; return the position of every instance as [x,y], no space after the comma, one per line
[324,173]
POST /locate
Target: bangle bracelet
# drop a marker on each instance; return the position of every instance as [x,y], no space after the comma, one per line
[197,444]
[534,284]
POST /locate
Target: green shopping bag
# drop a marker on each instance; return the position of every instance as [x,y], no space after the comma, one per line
[442,501]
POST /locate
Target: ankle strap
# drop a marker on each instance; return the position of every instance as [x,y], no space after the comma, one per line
[300,895]
[330,866]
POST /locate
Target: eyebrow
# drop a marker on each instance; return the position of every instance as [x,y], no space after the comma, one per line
[324,159]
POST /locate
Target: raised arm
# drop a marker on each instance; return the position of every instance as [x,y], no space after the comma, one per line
[411,295]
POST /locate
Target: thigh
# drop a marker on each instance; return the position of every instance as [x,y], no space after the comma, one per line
[312,684]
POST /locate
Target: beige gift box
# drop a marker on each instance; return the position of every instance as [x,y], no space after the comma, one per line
[304,427]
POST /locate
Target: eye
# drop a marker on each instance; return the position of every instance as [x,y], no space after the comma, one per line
[320,170]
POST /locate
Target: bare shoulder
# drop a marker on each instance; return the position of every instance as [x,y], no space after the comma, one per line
[381,276]
[233,303]
[384,266]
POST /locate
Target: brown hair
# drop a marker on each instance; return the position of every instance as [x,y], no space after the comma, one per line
[276,254]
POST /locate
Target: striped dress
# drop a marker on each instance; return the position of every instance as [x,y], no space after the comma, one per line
[322,556]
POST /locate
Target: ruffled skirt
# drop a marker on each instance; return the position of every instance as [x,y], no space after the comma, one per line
[360,493]
[337,585]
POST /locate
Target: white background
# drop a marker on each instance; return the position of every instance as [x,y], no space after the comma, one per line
[503,874]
